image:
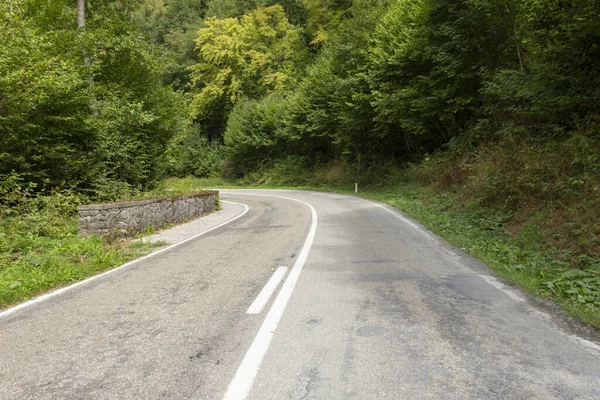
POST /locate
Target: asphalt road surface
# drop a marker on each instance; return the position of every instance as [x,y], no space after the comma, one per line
[366,305]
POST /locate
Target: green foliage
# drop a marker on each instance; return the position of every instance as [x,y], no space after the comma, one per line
[31,263]
[323,17]
[158,18]
[191,154]
[547,187]
[232,8]
[294,9]
[427,65]
[310,118]
[577,286]
[556,89]
[252,56]
[40,248]
[80,108]
[329,112]
[44,105]
[254,136]
[172,26]
[504,93]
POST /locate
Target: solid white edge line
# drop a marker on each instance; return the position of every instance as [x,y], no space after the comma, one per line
[500,286]
[240,386]
[591,347]
[265,294]
[397,214]
[57,292]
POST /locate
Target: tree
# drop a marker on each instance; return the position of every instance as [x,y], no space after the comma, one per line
[428,62]
[44,97]
[172,26]
[47,134]
[323,17]
[329,112]
[254,134]
[258,54]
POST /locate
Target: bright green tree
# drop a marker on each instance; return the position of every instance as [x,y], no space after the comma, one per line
[257,54]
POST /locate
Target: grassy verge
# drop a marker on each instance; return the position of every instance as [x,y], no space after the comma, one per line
[36,264]
[40,248]
[481,233]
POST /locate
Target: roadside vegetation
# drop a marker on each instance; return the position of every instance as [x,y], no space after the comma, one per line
[40,248]
[481,118]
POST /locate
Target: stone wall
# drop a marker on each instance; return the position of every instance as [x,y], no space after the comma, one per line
[129,217]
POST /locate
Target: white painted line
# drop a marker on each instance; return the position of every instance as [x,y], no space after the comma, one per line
[498,285]
[489,279]
[129,264]
[450,252]
[240,386]
[401,217]
[591,347]
[263,297]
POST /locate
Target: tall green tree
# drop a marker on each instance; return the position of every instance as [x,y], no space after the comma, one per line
[52,71]
[428,62]
[45,135]
[172,26]
[259,53]
[558,80]
[329,112]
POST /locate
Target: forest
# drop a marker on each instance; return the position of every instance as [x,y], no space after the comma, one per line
[495,103]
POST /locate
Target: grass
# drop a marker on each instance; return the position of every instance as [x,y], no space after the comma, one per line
[40,248]
[38,264]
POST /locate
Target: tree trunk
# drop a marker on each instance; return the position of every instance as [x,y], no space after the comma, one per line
[86,60]
[81,26]
[81,14]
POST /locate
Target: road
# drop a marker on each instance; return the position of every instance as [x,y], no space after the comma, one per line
[371,306]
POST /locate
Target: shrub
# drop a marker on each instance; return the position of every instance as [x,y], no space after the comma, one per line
[193,154]
[254,135]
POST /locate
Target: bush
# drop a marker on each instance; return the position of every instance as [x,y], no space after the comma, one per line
[551,188]
[45,136]
[254,136]
[191,154]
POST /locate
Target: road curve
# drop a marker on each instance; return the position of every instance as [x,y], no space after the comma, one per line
[371,306]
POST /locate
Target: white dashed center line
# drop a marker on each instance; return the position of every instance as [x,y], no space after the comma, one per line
[263,297]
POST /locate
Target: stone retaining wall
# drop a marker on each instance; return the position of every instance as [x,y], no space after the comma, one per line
[129,217]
